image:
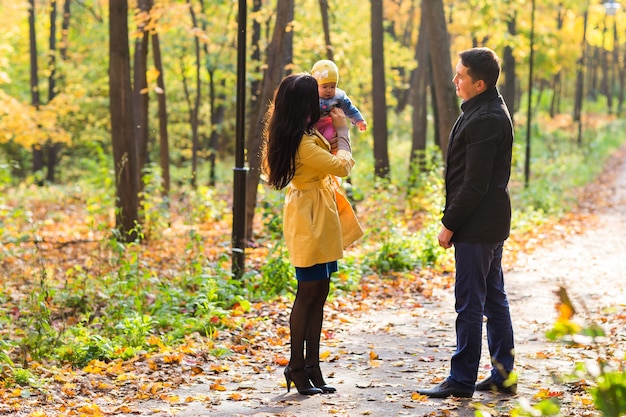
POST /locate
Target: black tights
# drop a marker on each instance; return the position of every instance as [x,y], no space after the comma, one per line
[305,323]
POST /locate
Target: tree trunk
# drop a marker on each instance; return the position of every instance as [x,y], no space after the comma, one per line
[216,106]
[556,80]
[195,140]
[622,87]
[52,149]
[556,93]
[164,152]
[326,28]
[418,96]
[618,70]
[140,87]
[52,44]
[218,113]
[34,85]
[508,70]
[65,26]
[122,132]
[580,78]
[447,104]
[288,43]
[381,154]
[255,84]
[273,74]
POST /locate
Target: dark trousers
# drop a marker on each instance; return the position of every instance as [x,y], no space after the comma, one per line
[479,291]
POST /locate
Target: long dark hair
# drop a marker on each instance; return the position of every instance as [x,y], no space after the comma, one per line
[294,111]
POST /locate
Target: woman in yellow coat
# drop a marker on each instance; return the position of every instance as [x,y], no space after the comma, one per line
[298,157]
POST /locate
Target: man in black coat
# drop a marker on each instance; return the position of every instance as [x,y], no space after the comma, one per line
[477,221]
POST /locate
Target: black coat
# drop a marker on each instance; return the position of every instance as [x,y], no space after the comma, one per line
[478,167]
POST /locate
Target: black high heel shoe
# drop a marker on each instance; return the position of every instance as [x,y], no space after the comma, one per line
[300,380]
[314,373]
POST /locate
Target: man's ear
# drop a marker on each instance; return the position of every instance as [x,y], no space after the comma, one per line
[481,86]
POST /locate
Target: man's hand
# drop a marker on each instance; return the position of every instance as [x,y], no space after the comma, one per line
[334,144]
[445,237]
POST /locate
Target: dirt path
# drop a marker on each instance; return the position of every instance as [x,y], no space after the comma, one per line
[385,355]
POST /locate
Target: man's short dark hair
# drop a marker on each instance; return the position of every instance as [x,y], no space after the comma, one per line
[482,64]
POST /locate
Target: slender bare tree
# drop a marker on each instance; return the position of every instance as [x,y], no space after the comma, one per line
[273,74]
[419,97]
[140,86]
[122,132]
[164,153]
[447,109]
[379,96]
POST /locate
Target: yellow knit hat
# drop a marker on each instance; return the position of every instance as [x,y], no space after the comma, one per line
[325,72]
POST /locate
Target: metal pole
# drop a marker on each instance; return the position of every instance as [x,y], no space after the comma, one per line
[240,171]
[530,96]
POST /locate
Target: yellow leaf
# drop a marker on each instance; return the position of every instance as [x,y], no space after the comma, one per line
[105,386]
[174,358]
[219,368]
[281,360]
[217,387]
[172,399]
[128,376]
[373,355]
[69,389]
[197,370]
[91,410]
[416,396]
[235,396]
[156,387]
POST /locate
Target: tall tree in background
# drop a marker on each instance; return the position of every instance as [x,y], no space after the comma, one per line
[508,67]
[194,109]
[379,95]
[556,80]
[65,26]
[580,80]
[326,28]
[445,97]
[274,72]
[52,148]
[122,131]
[34,83]
[288,43]
[164,147]
[255,58]
[418,98]
[217,98]
[140,86]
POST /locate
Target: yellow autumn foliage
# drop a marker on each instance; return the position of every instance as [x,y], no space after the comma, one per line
[29,127]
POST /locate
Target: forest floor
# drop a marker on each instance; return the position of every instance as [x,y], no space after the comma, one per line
[380,343]
[378,358]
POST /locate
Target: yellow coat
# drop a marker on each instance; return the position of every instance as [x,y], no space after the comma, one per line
[310,220]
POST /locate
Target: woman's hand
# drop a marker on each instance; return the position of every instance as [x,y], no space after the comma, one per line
[338,117]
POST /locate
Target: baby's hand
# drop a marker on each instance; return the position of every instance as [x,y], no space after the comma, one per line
[334,144]
[362,125]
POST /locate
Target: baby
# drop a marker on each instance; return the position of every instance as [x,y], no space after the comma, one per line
[327,75]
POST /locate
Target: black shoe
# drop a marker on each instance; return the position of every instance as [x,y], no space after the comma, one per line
[445,389]
[488,385]
[315,376]
[300,380]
